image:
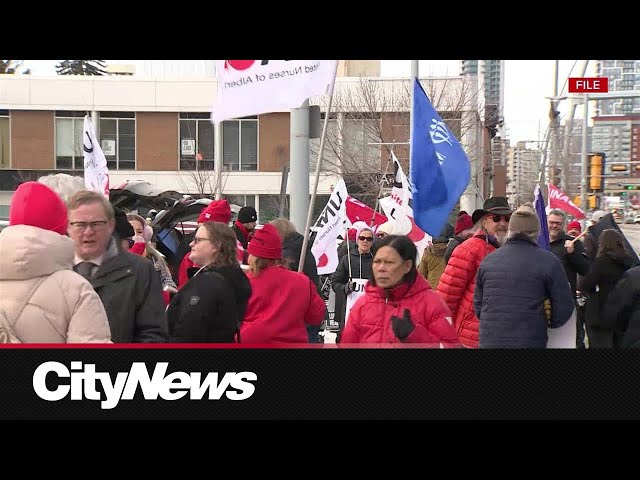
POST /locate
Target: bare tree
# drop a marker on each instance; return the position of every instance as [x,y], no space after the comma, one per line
[12,66]
[376,111]
[202,183]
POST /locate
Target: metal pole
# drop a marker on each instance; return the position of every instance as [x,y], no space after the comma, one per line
[299,165]
[584,195]
[307,227]
[414,74]
[217,158]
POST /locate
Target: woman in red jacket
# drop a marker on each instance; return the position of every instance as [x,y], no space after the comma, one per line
[399,306]
[282,302]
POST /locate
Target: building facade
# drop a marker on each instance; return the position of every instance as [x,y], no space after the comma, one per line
[523,167]
[158,130]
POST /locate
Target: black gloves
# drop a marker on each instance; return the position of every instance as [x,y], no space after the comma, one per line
[402,327]
[348,288]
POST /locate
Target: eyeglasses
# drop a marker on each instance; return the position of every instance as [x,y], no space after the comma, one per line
[365,239]
[496,218]
[381,235]
[82,226]
[197,240]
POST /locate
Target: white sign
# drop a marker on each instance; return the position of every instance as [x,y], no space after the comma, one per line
[564,336]
[109,147]
[188,146]
[358,291]
[251,87]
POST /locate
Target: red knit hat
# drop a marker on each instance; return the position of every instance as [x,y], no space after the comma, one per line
[266,243]
[37,205]
[216,211]
[574,225]
[463,222]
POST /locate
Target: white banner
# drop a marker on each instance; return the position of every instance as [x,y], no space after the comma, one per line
[96,173]
[397,207]
[252,87]
[330,224]
[358,291]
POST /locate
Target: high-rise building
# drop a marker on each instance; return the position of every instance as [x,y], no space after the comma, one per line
[623,75]
[523,166]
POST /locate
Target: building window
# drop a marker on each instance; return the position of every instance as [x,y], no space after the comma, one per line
[357,153]
[240,145]
[118,139]
[196,147]
[5,161]
[269,207]
[69,127]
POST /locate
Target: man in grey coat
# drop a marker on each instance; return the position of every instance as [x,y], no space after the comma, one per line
[127,284]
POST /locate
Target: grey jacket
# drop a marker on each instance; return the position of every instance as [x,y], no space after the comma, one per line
[130,290]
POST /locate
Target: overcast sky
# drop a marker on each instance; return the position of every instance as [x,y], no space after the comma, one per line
[527,83]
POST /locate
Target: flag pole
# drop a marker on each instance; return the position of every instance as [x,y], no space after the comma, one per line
[307,228]
[382,182]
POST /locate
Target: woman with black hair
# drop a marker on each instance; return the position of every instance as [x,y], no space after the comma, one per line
[399,306]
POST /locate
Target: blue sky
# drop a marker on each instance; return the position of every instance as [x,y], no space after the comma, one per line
[527,83]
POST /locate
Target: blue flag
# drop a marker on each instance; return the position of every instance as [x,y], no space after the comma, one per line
[440,170]
[543,236]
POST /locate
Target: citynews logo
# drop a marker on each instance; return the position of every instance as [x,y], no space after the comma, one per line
[83,379]
[588,85]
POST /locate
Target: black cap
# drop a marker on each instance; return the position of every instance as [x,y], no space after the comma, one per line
[123,227]
[247,214]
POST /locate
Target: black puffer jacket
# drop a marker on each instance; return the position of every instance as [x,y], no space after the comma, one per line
[210,306]
[622,310]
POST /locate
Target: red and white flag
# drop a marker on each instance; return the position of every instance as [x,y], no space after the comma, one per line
[252,87]
[397,207]
[559,199]
[360,212]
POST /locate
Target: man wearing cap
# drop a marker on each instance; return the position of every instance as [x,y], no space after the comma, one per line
[512,284]
[463,230]
[572,256]
[245,224]
[457,283]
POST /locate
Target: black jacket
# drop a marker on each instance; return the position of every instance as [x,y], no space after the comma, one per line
[291,250]
[576,263]
[360,268]
[130,290]
[451,246]
[209,307]
[605,272]
[622,310]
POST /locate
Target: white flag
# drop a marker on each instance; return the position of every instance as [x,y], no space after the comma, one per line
[397,207]
[252,87]
[331,224]
[96,173]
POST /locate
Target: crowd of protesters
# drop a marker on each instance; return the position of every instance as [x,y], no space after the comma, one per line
[74,269]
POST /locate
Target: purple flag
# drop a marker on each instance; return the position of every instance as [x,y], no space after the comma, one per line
[543,236]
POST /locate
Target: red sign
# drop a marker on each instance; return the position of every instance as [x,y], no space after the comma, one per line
[589,85]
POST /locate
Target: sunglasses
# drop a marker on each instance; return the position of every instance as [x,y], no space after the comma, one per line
[496,218]
[365,239]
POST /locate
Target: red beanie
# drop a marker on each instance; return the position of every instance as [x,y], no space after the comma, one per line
[216,211]
[574,225]
[351,234]
[463,222]
[266,243]
[37,205]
